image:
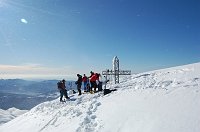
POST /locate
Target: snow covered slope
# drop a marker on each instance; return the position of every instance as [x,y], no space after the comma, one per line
[9,114]
[165,100]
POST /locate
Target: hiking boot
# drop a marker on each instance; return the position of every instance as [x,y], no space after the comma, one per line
[62,101]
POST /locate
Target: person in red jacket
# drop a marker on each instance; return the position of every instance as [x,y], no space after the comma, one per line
[91,73]
[93,82]
[85,81]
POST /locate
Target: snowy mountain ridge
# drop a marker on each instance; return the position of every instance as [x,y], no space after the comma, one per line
[166,100]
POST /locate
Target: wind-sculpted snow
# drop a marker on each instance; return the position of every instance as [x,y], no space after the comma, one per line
[165,100]
[162,79]
[9,114]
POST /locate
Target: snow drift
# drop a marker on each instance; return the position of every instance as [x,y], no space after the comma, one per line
[165,100]
[9,114]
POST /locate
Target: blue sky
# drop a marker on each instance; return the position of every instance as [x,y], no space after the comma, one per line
[60,38]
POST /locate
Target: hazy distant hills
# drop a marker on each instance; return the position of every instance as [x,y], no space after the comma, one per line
[31,87]
[23,94]
[23,101]
[27,87]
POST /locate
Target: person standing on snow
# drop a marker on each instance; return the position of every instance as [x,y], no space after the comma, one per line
[91,73]
[99,81]
[79,83]
[85,81]
[62,89]
[93,82]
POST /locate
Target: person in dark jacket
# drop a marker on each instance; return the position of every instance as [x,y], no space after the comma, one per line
[79,83]
[99,82]
[62,89]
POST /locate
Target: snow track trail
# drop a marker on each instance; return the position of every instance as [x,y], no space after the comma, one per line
[165,100]
[89,122]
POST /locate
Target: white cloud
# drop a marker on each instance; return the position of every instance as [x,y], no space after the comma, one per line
[35,71]
[24,21]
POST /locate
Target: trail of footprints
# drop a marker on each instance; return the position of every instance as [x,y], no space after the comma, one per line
[90,123]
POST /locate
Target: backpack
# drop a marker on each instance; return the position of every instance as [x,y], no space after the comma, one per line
[59,84]
[107,91]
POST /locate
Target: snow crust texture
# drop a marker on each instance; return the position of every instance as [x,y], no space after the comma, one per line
[165,100]
[9,114]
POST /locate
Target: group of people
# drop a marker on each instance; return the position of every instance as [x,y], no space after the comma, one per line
[91,84]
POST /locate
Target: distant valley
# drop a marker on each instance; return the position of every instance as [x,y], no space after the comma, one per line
[24,95]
